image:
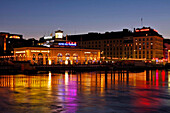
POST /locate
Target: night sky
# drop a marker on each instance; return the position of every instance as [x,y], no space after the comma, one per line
[36,18]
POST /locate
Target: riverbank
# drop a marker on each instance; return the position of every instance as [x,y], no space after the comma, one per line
[26,68]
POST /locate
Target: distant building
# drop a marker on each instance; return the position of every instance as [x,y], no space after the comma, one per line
[56,41]
[111,44]
[167,49]
[56,50]
[148,44]
[8,42]
[142,44]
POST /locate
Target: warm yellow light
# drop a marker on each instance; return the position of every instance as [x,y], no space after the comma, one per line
[49,62]
[49,79]
[66,62]
[66,78]
[20,52]
[45,51]
[35,50]
[87,52]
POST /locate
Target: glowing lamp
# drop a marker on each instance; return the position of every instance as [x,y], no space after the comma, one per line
[66,62]
[49,62]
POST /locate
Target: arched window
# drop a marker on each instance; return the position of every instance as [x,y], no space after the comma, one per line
[34,57]
[16,57]
[67,55]
[67,60]
[59,58]
[59,55]
[20,57]
[24,57]
[40,58]
[75,57]
[46,58]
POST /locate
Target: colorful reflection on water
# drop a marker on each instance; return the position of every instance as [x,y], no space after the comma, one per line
[97,92]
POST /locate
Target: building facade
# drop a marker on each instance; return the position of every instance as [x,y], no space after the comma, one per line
[45,55]
[148,44]
[10,41]
[167,50]
[142,44]
[110,44]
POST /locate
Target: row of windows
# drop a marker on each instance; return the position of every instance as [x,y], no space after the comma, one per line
[143,39]
[99,42]
[147,43]
[143,47]
[143,56]
[140,52]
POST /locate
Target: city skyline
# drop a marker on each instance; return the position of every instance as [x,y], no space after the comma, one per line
[34,19]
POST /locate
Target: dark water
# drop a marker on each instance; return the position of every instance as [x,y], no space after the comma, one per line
[91,92]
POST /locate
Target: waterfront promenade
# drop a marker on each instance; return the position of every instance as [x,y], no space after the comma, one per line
[16,67]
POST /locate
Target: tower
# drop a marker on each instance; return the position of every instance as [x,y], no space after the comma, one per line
[58,34]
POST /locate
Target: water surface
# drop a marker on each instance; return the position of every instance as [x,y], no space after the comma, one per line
[87,92]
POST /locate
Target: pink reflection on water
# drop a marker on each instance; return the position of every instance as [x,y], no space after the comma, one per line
[70,93]
[157,77]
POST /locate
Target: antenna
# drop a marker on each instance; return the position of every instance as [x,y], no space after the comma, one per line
[142,22]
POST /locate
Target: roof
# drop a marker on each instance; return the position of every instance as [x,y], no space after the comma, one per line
[146,31]
[99,36]
[42,47]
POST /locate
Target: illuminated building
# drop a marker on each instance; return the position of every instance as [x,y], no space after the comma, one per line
[142,44]
[148,44]
[51,40]
[8,41]
[58,34]
[58,55]
[56,50]
[111,44]
[167,50]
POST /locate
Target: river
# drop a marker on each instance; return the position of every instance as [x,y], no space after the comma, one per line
[87,92]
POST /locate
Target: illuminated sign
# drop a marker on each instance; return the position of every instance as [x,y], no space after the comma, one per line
[48,37]
[94,52]
[16,37]
[20,52]
[67,44]
[142,30]
[87,52]
[145,30]
[35,50]
[43,51]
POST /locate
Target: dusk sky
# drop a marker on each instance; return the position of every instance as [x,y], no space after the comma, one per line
[36,18]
